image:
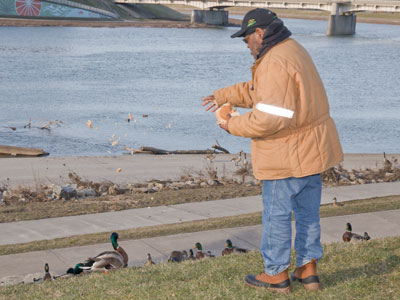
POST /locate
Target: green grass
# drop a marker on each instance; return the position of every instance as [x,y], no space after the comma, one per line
[351,207]
[365,270]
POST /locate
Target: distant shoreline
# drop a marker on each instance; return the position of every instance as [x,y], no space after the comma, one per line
[19,22]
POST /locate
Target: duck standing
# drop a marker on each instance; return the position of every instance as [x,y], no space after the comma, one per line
[149,261]
[46,276]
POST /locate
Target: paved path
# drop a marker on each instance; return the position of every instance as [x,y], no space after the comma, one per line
[28,231]
[25,266]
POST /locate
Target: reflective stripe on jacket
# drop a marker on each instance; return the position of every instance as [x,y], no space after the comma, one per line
[292,132]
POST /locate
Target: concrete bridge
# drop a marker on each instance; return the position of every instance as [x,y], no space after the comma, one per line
[342,20]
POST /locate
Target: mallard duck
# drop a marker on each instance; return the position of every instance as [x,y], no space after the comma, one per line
[335,203]
[177,256]
[114,241]
[108,259]
[191,255]
[70,272]
[349,236]
[149,261]
[46,276]
[229,248]
[209,254]
[104,261]
[200,254]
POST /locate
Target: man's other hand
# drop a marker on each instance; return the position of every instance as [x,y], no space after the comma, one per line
[210,100]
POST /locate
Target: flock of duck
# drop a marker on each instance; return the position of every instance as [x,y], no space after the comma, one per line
[109,260]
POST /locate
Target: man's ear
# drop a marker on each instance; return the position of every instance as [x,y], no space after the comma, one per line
[260,32]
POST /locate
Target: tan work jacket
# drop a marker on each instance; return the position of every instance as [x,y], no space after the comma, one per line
[292,133]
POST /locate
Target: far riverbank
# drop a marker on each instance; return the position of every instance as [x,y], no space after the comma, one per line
[372,18]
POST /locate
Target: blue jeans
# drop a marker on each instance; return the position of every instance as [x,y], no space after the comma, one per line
[280,198]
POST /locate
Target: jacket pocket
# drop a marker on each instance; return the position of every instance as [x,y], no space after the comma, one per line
[271,157]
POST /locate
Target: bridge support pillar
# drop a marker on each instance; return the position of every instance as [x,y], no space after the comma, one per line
[211,17]
[341,23]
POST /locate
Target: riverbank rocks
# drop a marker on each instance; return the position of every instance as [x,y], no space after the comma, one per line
[80,189]
[88,192]
[65,192]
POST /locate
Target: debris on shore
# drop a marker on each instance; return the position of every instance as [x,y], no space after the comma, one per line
[80,188]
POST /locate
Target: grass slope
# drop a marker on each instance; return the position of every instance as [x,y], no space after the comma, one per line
[365,270]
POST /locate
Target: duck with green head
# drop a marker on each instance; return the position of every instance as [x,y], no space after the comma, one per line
[108,259]
[348,235]
[199,253]
[71,272]
[229,248]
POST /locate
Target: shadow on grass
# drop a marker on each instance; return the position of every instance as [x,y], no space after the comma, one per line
[387,266]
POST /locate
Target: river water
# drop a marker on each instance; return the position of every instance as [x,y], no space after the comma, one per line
[74,74]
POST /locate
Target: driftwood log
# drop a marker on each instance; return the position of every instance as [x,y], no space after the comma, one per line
[218,147]
[152,150]
[21,151]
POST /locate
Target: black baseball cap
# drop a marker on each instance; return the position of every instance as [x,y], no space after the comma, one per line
[255,18]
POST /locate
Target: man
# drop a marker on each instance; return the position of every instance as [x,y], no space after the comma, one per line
[293,140]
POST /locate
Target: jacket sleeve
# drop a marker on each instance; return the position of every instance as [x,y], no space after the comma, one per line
[275,102]
[238,95]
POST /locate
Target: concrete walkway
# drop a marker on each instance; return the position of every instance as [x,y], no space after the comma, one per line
[26,266]
[47,229]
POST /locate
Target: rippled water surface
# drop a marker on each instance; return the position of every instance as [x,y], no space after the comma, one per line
[102,74]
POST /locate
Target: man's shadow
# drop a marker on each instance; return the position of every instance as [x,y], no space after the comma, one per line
[384,267]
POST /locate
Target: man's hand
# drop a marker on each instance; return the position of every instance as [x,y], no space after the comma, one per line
[210,99]
[225,125]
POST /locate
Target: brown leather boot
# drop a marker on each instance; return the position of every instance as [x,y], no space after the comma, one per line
[278,283]
[307,275]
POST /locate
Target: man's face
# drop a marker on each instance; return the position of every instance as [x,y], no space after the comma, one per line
[254,41]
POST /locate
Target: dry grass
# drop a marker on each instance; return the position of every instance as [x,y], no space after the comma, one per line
[33,210]
[368,271]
